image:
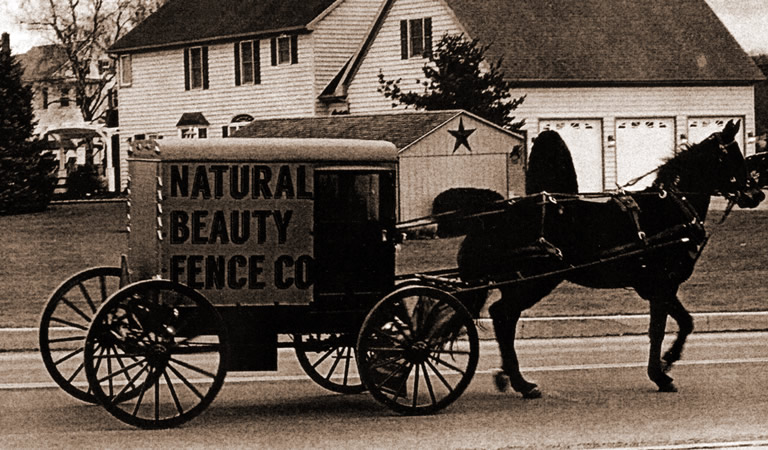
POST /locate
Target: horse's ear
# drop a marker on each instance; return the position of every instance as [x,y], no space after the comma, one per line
[731,128]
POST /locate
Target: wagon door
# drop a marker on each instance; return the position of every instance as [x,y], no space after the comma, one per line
[354,222]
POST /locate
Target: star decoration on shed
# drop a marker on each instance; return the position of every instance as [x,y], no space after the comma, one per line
[462,136]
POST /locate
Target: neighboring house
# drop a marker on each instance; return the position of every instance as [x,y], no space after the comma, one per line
[204,68]
[57,111]
[624,82]
[761,105]
[438,150]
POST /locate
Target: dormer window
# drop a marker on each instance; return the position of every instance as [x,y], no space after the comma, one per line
[285,50]
[416,38]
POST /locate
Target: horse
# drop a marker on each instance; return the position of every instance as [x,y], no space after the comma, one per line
[647,240]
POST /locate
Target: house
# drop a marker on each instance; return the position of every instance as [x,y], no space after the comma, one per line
[57,112]
[761,105]
[205,68]
[437,150]
[624,82]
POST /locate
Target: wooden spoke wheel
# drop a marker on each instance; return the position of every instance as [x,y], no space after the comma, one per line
[417,350]
[330,361]
[156,354]
[64,324]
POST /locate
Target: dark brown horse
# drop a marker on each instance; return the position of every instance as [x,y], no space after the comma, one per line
[648,240]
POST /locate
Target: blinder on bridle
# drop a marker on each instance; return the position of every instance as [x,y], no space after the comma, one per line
[738,189]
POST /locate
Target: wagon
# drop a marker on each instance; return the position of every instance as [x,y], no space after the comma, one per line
[240,247]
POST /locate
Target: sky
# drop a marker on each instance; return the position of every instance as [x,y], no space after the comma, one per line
[746,19]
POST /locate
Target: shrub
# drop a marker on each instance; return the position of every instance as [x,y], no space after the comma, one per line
[26,182]
[84,181]
[456,204]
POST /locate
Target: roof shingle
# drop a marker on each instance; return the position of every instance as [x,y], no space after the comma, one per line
[607,40]
[185,21]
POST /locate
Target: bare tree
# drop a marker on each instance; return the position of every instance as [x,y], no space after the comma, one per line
[84,30]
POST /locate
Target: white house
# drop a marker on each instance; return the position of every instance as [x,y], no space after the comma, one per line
[625,82]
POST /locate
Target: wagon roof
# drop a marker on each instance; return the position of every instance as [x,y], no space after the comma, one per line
[348,151]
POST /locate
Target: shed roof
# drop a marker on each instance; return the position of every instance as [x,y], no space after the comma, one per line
[186,21]
[402,128]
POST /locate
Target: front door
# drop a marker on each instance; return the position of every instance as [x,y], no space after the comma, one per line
[354,226]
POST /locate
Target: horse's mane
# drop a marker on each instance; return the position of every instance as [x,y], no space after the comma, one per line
[690,164]
[550,166]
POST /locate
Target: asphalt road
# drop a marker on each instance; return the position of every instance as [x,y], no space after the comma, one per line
[596,394]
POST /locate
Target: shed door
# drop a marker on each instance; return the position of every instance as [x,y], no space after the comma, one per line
[354,224]
[641,146]
[699,128]
[584,139]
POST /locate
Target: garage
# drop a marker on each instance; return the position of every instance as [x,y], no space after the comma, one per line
[642,144]
[699,128]
[584,138]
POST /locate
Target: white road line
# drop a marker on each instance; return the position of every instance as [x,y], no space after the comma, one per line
[565,368]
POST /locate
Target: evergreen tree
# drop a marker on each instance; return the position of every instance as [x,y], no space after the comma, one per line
[26,175]
[454,80]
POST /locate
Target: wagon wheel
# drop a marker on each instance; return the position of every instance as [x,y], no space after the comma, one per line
[156,354]
[330,360]
[65,321]
[417,350]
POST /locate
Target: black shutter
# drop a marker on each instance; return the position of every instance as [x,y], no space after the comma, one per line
[427,37]
[186,69]
[205,67]
[403,39]
[294,49]
[224,131]
[256,62]
[273,45]
[237,64]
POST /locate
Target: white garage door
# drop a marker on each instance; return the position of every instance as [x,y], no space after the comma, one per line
[699,128]
[641,146]
[584,139]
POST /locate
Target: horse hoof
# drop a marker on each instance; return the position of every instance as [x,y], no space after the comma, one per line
[501,380]
[669,387]
[666,366]
[532,393]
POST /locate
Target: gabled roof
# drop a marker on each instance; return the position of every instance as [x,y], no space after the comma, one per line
[43,62]
[607,40]
[595,42]
[402,128]
[193,21]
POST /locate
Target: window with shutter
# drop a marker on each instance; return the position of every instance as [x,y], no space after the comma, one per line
[247,68]
[416,38]
[196,68]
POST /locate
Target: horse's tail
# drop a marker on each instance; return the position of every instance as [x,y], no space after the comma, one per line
[550,166]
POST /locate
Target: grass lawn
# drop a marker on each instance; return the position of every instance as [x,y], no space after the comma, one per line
[39,251]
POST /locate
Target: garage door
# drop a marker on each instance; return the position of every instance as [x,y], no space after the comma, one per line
[584,139]
[699,128]
[641,146]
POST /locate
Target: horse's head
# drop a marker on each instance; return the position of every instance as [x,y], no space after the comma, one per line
[714,166]
[733,181]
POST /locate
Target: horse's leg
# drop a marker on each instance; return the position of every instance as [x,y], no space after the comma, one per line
[505,316]
[656,330]
[685,326]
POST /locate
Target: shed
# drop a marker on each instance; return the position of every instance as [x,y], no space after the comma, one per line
[437,150]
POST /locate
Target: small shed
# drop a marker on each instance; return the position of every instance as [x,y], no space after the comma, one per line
[438,150]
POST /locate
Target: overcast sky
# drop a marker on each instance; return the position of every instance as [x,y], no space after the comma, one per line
[747,20]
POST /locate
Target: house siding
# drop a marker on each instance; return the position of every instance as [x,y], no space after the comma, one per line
[384,55]
[336,38]
[610,104]
[156,98]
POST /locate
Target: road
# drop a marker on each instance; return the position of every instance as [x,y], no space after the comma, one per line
[596,395]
